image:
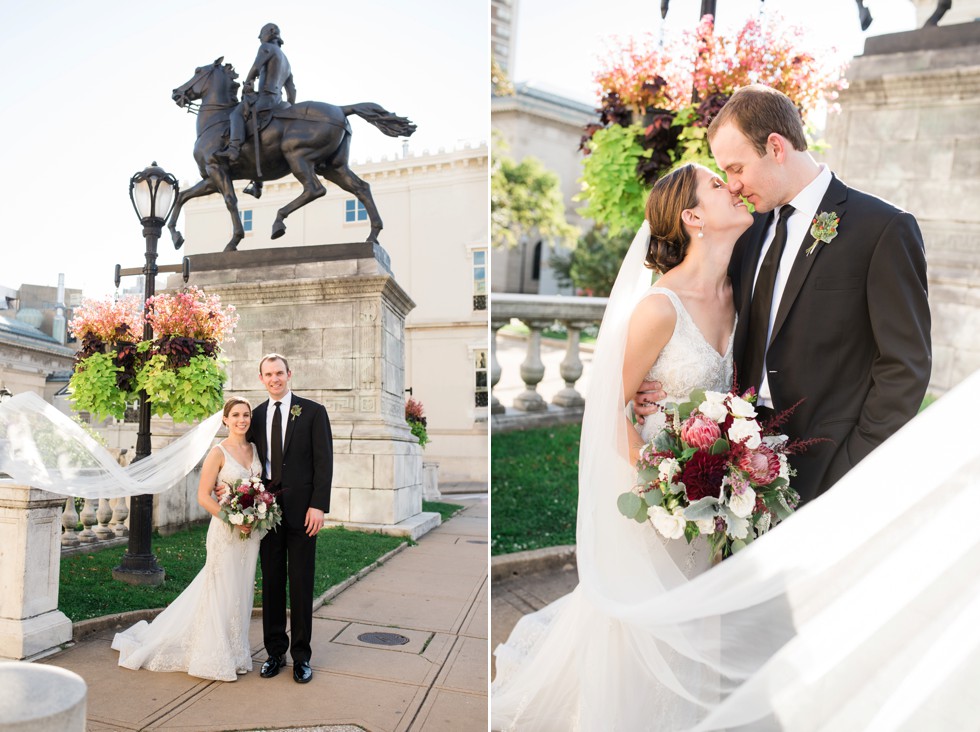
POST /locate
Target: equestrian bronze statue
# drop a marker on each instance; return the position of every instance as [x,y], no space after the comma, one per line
[308,139]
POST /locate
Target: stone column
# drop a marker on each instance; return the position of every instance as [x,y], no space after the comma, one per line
[908,133]
[337,314]
[30,564]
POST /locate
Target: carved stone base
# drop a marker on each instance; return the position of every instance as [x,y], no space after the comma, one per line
[338,315]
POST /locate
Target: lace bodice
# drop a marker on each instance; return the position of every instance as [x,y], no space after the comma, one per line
[233,470]
[688,361]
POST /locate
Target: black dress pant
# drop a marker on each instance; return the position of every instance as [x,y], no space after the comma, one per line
[288,553]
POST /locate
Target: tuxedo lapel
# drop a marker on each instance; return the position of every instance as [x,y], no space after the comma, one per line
[258,418]
[833,200]
[290,420]
[747,266]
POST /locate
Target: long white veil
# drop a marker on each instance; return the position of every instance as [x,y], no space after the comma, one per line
[42,447]
[860,612]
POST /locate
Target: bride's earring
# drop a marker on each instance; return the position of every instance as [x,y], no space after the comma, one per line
[701,232]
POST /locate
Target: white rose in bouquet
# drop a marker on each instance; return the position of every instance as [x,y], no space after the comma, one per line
[237,519]
[706,527]
[714,406]
[670,525]
[747,430]
[669,467]
[742,503]
[742,408]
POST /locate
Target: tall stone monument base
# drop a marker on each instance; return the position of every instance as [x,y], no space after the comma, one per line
[31,625]
[338,315]
[908,132]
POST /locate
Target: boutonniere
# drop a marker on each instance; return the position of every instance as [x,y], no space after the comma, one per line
[295,411]
[824,229]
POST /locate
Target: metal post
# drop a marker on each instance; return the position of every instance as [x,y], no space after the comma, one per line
[139,564]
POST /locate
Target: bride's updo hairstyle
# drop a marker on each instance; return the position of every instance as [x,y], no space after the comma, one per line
[669,239]
[232,401]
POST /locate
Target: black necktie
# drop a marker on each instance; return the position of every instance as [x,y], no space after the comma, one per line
[765,283]
[276,447]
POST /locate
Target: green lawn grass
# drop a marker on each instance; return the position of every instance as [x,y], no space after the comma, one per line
[533,488]
[446,510]
[87,589]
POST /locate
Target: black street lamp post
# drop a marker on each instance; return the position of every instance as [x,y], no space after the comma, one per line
[153,193]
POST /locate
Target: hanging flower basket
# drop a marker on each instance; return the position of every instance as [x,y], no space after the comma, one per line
[179,369]
[657,100]
[415,416]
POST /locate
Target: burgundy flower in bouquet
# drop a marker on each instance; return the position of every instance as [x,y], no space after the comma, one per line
[247,507]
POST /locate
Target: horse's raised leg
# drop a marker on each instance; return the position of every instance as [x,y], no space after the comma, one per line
[202,188]
[223,183]
[344,177]
[302,169]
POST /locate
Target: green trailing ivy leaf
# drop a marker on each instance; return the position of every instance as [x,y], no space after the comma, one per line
[94,388]
[614,196]
[191,393]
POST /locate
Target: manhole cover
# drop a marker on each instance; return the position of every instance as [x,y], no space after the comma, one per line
[383,639]
[475,541]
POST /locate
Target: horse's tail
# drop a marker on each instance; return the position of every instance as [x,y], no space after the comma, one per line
[389,123]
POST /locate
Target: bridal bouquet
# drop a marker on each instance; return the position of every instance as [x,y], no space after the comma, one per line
[711,471]
[248,503]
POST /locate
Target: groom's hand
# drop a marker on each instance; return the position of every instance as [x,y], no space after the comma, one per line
[219,490]
[646,398]
[314,521]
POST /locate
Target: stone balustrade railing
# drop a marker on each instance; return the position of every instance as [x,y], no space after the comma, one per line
[539,313]
[102,519]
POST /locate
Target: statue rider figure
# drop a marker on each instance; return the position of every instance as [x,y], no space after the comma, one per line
[272,69]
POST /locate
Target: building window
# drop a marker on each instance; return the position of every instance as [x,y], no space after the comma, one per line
[480,279]
[482,392]
[536,262]
[247,220]
[354,211]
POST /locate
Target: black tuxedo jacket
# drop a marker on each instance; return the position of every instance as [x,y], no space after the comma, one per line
[307,458]
[851,335]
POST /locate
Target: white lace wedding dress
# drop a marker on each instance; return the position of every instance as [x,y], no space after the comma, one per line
[204,632]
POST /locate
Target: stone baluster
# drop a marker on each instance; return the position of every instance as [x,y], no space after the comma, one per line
[532,369]
[571,367]
[495,324]
[120,511]
[103,516]
[69,520]
[87,536]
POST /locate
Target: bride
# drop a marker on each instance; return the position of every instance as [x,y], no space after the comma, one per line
[845,617]
[204,632]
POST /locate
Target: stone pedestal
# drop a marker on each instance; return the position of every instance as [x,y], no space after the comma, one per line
[39,698]
[430,481]
[908,132]
[30,564]
[338,315]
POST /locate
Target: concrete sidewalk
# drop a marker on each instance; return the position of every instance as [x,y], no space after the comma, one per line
[433,594]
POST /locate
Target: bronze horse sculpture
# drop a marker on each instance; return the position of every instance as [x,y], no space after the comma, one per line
[307,139]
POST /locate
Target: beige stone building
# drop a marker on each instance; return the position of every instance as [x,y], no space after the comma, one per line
[436,232]
[536,123]
[31,360]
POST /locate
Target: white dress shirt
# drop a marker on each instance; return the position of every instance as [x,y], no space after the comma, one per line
[269,414]
[806,204]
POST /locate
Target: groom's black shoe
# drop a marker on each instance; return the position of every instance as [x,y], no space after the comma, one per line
[271,667]
[302,672]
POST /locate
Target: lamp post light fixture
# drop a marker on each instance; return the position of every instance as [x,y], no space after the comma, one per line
[153,193]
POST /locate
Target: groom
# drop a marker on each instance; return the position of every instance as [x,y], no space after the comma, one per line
[294,442]
[830,289]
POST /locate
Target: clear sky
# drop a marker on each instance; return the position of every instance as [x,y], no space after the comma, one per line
[86,103]
[558,41]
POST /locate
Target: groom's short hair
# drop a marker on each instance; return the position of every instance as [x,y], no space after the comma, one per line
[274,357]
[758,111]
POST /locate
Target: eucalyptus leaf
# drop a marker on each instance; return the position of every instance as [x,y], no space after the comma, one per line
[654,497]
[738,545]
[629,504]
[696,397]
[720,447]
[691,532]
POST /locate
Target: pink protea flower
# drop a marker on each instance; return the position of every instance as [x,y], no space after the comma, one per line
[700,431]
[761,464]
